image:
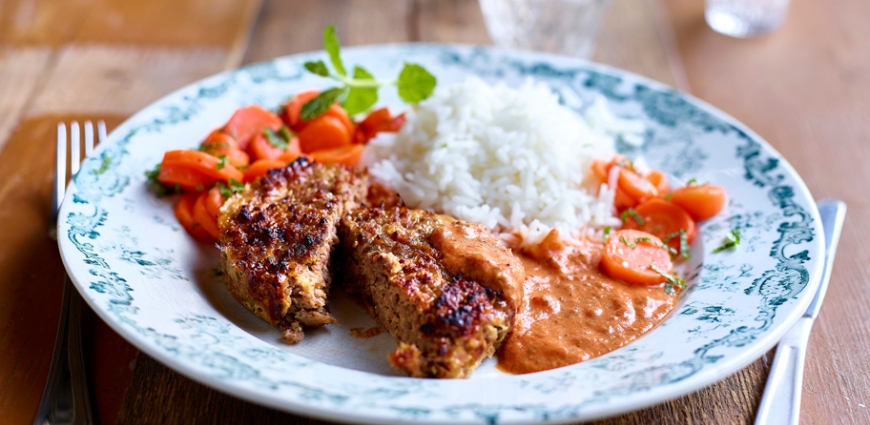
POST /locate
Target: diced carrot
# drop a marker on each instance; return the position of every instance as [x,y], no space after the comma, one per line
[326,132]
[207,165]
[662,219]
[261,167]
[700,201]
[631,255]
[202,217]
[186,178]
[347,155]
[659,181]
[249,121]
[184,214]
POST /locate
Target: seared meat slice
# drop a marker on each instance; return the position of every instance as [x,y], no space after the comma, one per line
[277,237]
[446,290]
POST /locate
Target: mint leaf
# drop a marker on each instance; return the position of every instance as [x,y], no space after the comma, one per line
[360,99]
[318,68]
[275,140]
[330,43]
[320,104]
[415,83]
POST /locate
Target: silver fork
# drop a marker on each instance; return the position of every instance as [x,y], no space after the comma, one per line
[65,399]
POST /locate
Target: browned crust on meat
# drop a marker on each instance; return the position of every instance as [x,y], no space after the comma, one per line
[444,324]
[277,237]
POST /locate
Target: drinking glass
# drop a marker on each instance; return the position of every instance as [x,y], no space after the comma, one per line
[745,18]
[560,26]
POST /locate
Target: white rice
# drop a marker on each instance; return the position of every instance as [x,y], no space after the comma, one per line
[514,160]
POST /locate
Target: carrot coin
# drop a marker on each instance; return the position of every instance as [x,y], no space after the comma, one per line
[636,257]
[347,155]
[663,220]
[325,132]
[249,121]
[202,217]
[184,214]
[700,201]
[635,186]
[261,167]
[659,181]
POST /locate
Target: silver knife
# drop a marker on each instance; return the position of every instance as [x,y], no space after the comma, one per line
[781,402]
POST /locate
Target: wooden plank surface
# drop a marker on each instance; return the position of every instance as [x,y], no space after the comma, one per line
[806,89]
[77,60]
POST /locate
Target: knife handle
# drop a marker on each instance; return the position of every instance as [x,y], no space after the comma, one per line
[782,393]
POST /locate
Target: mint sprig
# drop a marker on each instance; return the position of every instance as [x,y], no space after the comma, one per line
[359,93]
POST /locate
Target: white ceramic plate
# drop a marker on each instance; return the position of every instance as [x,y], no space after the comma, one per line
[144,276]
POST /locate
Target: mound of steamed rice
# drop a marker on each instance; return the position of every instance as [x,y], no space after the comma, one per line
[514,160]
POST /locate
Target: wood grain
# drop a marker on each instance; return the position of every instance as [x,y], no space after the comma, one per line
[81,59]
[806,89]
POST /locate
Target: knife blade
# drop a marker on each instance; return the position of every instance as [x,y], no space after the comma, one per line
[781,401]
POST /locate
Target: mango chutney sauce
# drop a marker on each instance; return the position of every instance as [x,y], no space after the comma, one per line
[571,312]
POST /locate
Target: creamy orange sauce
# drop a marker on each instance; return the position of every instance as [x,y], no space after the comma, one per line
[571,312]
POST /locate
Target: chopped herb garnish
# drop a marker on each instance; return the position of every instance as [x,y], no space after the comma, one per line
[155,186]
[285,133]
[671,279]
[222,162]
[228,190]
[631,212]
[607,230]
[684,242]
[669,197]
[358,93]
[200,188]
[630,244]
[275,140]
[731,241]
[692,181]
[107,160]
[652,242]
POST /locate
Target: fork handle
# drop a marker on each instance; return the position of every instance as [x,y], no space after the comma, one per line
[65,398]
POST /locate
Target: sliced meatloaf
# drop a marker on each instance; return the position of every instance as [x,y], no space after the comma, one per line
[445,290]
[277,237]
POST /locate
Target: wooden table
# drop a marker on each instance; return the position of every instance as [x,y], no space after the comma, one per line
[805,88]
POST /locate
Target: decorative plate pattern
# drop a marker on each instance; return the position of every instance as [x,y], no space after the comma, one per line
[137,268]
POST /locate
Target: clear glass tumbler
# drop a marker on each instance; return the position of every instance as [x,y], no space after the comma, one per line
[745,18]
[560,26]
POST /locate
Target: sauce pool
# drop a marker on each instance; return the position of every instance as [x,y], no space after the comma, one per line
[571,313]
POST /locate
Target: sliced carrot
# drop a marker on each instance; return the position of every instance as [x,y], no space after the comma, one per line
[293,108]
[208,166]
[202,217]
[347,155]
[634,256]
[662,219]
[659,181]
[219,143]
[634,185]
[184,214]
[260,148]
[261,167]
[249,121]
[622,201]
[214,201]
[600,169]
[325,132]
[700,201]
[186,178]
[377,121]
